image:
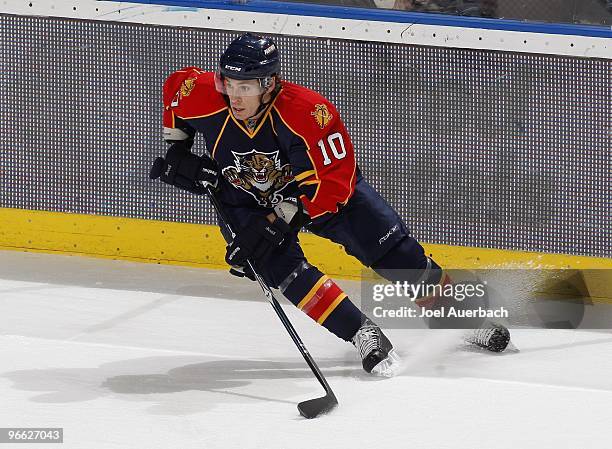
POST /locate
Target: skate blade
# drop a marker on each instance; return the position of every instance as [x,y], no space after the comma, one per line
[511,347]
[388,367]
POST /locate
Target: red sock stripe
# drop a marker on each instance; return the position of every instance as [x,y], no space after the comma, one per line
[322,299]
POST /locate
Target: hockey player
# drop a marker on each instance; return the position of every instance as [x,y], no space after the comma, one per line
[281,159]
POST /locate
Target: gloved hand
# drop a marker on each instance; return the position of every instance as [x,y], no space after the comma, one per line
[185,170]
[256,240]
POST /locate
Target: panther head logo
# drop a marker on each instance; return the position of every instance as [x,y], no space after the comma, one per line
[259,167]
[259,174]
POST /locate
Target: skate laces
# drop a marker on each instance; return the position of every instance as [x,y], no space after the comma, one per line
[367,339]
[483,336]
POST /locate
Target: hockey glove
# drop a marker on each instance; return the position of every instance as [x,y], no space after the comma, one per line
[185,170]
[256,240]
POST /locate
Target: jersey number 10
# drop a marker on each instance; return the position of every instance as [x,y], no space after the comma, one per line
[332,139]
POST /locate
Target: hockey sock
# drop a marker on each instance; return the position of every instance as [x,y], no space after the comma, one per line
[324,301]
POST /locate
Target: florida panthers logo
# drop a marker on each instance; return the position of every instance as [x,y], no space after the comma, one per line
[322,115]
[187,87]
[260,175]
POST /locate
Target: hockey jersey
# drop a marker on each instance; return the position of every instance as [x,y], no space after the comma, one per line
[299,147]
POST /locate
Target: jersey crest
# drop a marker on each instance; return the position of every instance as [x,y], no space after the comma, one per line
[187,87]
[184,91]
[260,175]
[322,115]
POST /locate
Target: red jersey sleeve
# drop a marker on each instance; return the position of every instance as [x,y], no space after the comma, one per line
[320,152]
[190,93]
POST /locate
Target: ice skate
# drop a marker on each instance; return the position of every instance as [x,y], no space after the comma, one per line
[376,351]
[491,336]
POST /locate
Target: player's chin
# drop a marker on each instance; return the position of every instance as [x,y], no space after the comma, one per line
[240,114]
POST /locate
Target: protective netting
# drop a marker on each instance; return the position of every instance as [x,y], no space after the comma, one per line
[476,148]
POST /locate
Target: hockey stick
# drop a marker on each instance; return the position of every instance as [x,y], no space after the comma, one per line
[312,407]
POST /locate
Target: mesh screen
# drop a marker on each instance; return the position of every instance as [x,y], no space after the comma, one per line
[476,148]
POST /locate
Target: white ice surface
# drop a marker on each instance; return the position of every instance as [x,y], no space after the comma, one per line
[127,355]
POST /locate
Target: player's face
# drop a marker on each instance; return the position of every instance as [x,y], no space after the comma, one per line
[244,97]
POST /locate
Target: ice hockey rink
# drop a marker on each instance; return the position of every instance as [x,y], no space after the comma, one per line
[122,354]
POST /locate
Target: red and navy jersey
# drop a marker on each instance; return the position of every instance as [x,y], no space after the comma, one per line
[299,147]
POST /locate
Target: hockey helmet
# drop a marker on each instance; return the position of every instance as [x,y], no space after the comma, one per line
[249,57]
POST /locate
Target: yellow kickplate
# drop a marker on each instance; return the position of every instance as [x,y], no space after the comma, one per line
[202,245]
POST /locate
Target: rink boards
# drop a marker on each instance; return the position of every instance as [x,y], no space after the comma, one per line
[203,246]
[482,134]
[473,147]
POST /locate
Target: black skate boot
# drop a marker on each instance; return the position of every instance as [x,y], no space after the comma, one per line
[377,354]
[492,336]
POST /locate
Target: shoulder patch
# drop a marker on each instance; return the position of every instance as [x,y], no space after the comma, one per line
[187,87]
[322,115]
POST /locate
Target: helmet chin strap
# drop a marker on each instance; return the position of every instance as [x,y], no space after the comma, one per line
[263,105]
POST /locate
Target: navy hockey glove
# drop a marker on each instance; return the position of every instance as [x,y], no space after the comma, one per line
[256,240]
[185,170]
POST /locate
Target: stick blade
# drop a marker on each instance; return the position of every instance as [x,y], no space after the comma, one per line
[318,406]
